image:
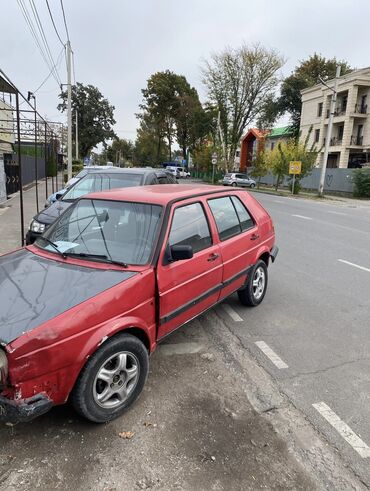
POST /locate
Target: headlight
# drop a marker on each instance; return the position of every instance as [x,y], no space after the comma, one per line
[3,367]
[37,227]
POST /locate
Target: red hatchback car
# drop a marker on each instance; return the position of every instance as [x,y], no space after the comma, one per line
[82,308]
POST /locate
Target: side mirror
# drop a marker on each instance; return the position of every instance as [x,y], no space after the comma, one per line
[58,195]
[181,252]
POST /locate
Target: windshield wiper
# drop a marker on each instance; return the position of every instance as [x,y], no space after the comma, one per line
[64,256]
[104,257]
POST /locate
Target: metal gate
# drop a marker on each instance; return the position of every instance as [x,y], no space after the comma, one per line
[11,168]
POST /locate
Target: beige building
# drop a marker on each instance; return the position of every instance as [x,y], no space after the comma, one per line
[350,138]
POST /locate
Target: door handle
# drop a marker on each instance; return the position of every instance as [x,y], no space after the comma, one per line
[255,236]
[213,257]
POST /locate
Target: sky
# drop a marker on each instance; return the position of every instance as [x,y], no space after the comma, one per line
[118,44]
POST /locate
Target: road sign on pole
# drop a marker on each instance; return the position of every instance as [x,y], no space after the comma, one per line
[214,163]
[295,168]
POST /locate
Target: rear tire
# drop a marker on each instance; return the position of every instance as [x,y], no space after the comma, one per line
[112,379]
[255,289]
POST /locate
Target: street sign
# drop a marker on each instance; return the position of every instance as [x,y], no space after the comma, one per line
[295,167]
[214,161]
[214,155]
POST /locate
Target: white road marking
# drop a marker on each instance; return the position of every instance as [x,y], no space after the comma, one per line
[276,360]
[343,429]
[231,312]
[354,265]
[302,216]
[180,348]
[277,201]
[337,213]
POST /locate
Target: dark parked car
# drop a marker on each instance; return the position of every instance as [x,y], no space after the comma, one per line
[82,309]
[93,182]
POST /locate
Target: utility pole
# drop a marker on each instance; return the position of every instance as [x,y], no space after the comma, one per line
[328,133]
[76,134]
[69,112]
[221,139]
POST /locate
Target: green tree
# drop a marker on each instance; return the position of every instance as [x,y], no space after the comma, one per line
[120,151]
[171,107]
[95,116]
[238,81]
[292,150]
[305,75]
[260,167]
[150,148]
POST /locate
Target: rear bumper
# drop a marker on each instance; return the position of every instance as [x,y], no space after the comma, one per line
[273,253]
[25,409]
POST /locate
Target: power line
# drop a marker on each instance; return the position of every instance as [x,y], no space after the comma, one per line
[31,27]
[33,32]
[59,59]
[43,37]
[64,18]
[52,20]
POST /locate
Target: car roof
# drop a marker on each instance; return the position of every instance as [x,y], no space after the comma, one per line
[127,170]
[157,194]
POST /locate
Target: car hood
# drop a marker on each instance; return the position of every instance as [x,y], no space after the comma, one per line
[50,214]
[34,289]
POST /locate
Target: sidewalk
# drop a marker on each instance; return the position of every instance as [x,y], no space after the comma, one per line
[10,217]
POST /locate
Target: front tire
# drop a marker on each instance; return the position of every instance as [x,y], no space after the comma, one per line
[252,185]
[255,289]
[234,184]
[112,379]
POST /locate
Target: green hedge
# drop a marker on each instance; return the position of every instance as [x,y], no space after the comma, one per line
[361,180]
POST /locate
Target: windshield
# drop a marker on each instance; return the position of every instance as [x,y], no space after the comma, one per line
[96,182]
[112,230]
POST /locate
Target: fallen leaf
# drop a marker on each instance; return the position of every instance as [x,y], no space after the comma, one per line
[148,423]
[126,434]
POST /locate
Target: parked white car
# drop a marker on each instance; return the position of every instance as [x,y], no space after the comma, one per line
[238,179]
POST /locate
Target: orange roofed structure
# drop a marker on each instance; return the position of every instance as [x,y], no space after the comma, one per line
[251,143]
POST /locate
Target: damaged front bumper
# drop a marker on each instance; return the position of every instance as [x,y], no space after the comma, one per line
[23,410]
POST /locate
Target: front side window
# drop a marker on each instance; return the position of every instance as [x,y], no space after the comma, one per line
[105,230]
[96,182]
[190,227]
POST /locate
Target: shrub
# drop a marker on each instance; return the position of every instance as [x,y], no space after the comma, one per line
[361,179]
[77,166]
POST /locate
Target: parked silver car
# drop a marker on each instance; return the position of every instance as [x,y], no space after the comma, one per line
[238,179]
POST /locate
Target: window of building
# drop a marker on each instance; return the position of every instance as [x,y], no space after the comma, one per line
[319,109]
[340,132]
[272,145]
[190,227]
[317,135]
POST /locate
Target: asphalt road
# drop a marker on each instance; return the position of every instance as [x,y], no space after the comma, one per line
[194,425]
[316,319]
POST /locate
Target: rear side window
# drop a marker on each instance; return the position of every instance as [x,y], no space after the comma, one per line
[190,227]
[231,216]
[227,220]
[246,221]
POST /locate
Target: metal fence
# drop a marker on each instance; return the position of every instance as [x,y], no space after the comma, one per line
[336,180]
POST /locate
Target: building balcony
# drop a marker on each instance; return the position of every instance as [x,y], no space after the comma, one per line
[335,142]
[360,111]
[356,141]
